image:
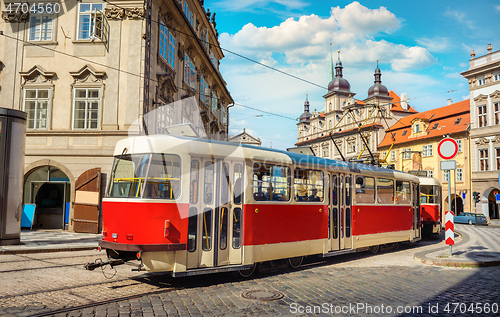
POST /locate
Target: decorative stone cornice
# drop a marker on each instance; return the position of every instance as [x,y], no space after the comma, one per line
[496,139]
[495,95]
[37,75]
[114,13]
[14,17]
[135,13]
[481,98]
[482,141]
[87,74]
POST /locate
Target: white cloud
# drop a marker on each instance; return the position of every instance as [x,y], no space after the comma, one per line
[306,39]
[497,8]
[463,65]
[436,44]
[460,17]
[465,97]
[357,18]
[454,75]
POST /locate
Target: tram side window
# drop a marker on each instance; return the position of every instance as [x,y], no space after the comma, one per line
[164,177]
[365,190]
[385,191]
[194,182]
[308,185]
[238,188]
[403,192]
[236,228]
[224,195]
[192,229]
[271,182]
[208,190]
[206,239]
[335,189]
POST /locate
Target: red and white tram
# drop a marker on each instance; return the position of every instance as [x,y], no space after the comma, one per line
[430,205]
[191,206]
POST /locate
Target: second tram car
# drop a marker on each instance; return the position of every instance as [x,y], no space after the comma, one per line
[191,206]
[430,205]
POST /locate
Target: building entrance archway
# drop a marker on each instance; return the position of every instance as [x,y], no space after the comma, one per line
[48,188]
[457,205]
[492,204]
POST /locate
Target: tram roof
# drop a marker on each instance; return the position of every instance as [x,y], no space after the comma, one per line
[203,147]
[429,181]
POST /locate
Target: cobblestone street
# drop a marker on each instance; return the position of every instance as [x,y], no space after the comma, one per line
[389,283]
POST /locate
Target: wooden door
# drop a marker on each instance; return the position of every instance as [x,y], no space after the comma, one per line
[87,198]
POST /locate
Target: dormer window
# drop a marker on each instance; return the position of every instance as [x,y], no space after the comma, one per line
[437,124]
[458,120]
[416,128]
[404,132]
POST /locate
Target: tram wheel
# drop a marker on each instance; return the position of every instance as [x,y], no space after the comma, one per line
[248,272]
[295,262]
[375,249]
[396,245]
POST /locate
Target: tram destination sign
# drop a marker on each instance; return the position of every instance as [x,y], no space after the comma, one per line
[447,148]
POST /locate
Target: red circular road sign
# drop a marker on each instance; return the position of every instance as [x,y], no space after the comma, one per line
[447,148]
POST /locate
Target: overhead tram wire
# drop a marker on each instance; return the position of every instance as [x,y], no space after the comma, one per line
[129,73]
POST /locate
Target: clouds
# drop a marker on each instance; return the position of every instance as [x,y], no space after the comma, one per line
[306,40]
[356,18]
[460,17]
[436,44]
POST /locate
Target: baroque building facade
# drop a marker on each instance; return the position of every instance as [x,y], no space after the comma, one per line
[483,77]
[411,145]
[87,73]
[345,117]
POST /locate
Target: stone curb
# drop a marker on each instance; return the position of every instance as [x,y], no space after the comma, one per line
[453,263]
[47,250]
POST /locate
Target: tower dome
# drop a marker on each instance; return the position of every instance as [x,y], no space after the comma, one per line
[306,116]
[378,89]
[339,84]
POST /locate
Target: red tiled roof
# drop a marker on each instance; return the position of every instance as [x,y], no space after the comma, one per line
[444,117]
[396,103]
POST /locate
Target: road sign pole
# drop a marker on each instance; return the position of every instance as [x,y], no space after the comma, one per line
[449,204]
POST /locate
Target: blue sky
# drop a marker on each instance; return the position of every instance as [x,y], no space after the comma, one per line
[422,47]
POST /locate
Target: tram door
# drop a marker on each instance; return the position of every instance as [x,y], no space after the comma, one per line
[215,213]
[416,210]
[201,213]
[227,241]
[334,212]
[347,240]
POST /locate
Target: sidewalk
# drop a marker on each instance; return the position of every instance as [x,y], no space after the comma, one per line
[477,246]
[41,241]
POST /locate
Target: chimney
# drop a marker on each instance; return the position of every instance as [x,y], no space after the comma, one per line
[449,101]
[404,101]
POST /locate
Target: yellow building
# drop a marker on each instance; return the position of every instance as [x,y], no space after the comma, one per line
[411,144]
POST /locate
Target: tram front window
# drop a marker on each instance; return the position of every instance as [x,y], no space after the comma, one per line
[145,175]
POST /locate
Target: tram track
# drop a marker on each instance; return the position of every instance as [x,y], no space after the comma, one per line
[104,302]
[28,258]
